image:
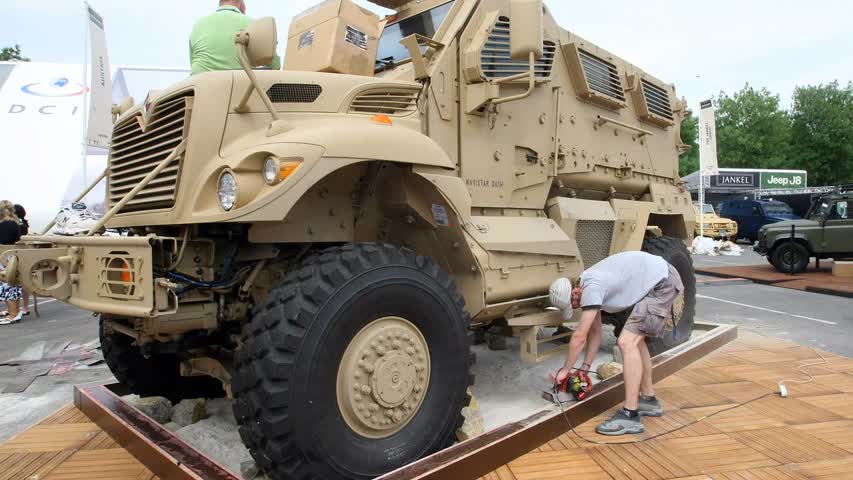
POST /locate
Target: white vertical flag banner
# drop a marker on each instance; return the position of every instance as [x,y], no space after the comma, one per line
[707,140]
[99,128]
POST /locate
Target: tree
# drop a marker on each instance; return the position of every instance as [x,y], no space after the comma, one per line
[822,132]
[689,161]
[752,131]
[12,54]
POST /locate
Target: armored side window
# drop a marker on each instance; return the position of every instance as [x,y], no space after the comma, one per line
[652,100]
[497,63]
[596,79]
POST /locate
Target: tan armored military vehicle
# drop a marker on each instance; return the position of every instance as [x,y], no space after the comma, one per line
[322,244]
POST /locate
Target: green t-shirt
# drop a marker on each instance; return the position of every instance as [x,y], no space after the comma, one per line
[212,41]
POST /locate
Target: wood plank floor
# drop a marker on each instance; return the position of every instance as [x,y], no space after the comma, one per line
[68,446]
[806,436]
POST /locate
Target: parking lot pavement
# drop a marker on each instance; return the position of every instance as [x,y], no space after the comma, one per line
[812,319]
[59,323]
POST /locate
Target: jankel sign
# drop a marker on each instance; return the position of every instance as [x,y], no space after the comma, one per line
[735,180]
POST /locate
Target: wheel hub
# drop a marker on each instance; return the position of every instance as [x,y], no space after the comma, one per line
[383,377]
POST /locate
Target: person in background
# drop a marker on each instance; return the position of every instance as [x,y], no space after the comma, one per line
[25,230]
[10,233]
[212,45]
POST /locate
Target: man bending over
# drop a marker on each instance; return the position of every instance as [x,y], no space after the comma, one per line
[649,286]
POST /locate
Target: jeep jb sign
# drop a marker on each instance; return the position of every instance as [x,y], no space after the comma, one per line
[771,180]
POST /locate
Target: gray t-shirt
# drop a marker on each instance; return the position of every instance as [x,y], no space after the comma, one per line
[620,281]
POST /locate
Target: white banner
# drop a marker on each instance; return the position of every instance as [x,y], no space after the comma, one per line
[40,120]
[100,125]
[707,140]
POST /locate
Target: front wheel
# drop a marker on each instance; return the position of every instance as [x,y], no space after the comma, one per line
[158,375]
[790,257]
[357,364]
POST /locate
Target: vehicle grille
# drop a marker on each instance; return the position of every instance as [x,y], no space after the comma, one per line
[294,92]
[390,101]
[497,62]
[594,237]
[136,152]
[601,75]
[657,100]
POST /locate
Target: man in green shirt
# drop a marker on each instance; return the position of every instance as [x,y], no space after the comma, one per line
[212,39]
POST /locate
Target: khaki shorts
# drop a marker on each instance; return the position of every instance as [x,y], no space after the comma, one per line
[654,315]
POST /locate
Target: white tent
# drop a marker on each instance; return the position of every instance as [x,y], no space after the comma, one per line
[41,131]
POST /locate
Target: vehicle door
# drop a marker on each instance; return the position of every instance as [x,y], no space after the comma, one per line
[838,228]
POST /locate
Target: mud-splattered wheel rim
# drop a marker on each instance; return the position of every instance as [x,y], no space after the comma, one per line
[383,377]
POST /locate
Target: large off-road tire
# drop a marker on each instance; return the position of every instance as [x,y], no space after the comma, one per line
[155,376]
[790,257]
[675,252]
[356,364]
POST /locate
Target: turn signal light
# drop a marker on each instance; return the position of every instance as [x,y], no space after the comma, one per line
[382,119]
[287,169]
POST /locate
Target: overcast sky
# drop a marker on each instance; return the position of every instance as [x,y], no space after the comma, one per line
[701,46]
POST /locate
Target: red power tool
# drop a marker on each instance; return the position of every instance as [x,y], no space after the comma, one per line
[578,385]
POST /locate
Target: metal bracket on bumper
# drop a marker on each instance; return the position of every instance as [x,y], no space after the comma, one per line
[104,274]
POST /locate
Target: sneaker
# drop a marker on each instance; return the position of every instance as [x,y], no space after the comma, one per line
[5,321]
[16,319]
[25,312]
[621,424]
[650,408]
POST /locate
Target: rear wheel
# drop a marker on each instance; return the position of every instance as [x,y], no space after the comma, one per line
[790,257]
[357,364]
[158,375]
[675,252]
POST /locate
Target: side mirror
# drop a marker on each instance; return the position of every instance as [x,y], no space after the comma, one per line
[260,40]
[255,48]
[527,30]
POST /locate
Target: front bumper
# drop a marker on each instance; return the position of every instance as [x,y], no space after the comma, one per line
[761,247]
[112,275]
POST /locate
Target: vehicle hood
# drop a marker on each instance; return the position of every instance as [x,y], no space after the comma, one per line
[712,217]
[783,216]
[786,224]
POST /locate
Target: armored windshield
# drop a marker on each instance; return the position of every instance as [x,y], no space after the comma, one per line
[707,209]
[777,208]
[425,23]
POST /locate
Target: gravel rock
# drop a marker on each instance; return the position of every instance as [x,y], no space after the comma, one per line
[249,470]
[158,408]
[189,411]
[609,369]
[172,427]
[217,436]
[617,354]
[473,425]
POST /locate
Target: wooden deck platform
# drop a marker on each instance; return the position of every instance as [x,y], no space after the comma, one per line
[806,436]
[811,280]
[68,446]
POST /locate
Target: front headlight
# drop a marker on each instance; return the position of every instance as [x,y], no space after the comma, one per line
[227,190]
[706,225]
[272,168]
